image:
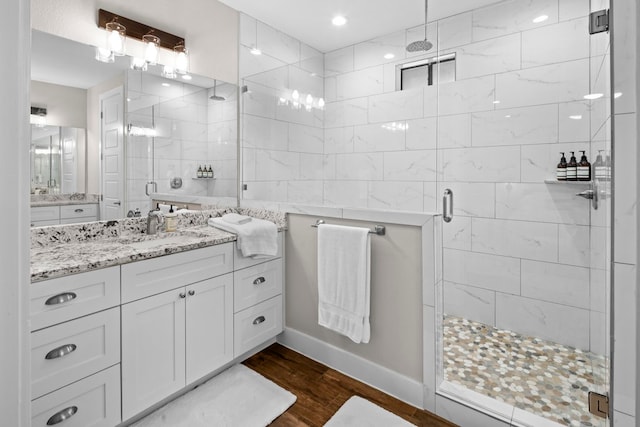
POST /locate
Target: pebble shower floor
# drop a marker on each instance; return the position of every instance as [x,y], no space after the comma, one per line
[541,377]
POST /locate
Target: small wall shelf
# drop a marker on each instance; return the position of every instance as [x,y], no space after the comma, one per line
[204,179]
[555,181]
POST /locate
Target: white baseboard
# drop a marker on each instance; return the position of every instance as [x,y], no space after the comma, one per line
[384,379]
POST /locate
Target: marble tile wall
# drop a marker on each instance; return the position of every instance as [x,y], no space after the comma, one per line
[191,130]
[493,136]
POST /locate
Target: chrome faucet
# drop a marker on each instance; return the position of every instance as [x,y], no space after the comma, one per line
[154,220]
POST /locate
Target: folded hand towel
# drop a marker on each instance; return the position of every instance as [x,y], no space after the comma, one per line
[234,218]
[344,280]
[256,238]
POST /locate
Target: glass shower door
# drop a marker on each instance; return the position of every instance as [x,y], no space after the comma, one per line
[525,259]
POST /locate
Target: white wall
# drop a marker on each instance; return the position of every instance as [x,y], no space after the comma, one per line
[66,106]
[210,28]
[14,252]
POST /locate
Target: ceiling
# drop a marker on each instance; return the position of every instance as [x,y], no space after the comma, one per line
[310,20]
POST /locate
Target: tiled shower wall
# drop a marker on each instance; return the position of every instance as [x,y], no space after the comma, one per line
[517,254]
[191,130]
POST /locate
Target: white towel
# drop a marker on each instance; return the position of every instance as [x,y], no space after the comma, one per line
[344,258]
[257,238]
[234,218]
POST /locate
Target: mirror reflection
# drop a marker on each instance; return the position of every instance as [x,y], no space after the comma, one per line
[131,136]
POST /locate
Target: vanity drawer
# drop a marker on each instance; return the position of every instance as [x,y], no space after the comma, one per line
[73,350]
[78,211]
[93,401]
[256,325]
[240,261]
[256,284]
[65,298]
[153,276]
[45,213]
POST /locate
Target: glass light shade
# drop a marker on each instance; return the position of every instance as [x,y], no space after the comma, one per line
[151,48]
[105,55]
[138,64]
[169,72]
[116,34]
[182,59]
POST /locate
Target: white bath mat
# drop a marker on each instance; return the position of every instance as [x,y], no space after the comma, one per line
[238,397]
[359,412]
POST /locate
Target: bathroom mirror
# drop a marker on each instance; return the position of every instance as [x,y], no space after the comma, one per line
[194,125]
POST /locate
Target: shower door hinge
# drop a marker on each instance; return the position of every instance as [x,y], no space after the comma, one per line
[599,404]
[599,21]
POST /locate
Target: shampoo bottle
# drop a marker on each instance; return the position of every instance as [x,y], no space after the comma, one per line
[572,168]
[561,171]
[170,220]
[210,172]
[584,168]
[599,168]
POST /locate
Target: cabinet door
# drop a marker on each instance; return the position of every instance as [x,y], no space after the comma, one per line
[209,326]
[153,346]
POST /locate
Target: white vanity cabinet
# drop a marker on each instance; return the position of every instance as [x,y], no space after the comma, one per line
[176,337]
[75,349]
[63,214]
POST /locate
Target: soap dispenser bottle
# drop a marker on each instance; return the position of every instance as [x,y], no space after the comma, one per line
[210,172]
[584,168]
[170,220]
[572,168]
[561,171]
[599,169]
[199,173]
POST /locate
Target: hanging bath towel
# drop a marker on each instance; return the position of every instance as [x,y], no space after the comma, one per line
[344,255]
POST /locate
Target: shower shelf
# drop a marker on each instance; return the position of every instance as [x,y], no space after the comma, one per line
[555,181]
[204,179]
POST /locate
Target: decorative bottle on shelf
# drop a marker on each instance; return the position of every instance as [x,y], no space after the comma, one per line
[572,168]
[210,172]
[170,220]
[599,168]
[561,171]
[607,166]
[584,168]
[199,173]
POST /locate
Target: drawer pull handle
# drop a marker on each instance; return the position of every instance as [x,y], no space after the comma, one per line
[61,351]
[79,210]
[182,295]
[259,320]
[260,280]
[61,298]
[62,415]
[192,292]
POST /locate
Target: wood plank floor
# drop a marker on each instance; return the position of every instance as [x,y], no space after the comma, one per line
[322,390]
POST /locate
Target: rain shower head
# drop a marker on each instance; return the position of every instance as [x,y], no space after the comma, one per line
[422,45]
[215,97]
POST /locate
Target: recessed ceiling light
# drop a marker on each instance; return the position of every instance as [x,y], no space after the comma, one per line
[496,102]
[576,117]
[593,96]
[166,84]
[540,19]
[617,94]
[255,51]
[186,77]
[339,20]
[389,55]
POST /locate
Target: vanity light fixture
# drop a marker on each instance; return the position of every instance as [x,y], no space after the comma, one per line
[151,48]
[181,59]
[116,35]
[105,55]
[138,64]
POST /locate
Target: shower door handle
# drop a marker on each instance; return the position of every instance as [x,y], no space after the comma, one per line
[447,205]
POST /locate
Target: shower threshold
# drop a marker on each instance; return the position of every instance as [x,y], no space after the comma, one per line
[526,377]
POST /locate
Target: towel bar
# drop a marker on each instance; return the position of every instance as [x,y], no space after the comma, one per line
[380,230]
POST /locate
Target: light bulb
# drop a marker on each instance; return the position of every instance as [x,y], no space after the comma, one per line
[152,48]
[295,95]
[309,99]
[115,37]
[182,59]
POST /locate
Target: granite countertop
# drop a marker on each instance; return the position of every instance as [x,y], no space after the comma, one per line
[41,200]
[70,258]
[58,251]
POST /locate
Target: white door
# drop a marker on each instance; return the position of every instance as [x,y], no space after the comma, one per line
[69,161]
[153,347]
[112,143]
[209,326]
